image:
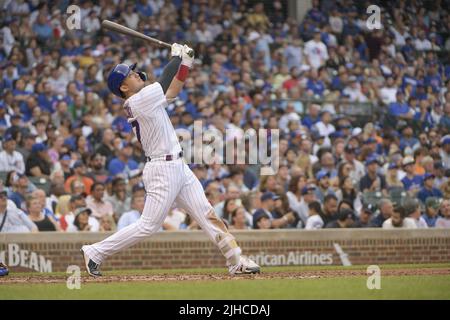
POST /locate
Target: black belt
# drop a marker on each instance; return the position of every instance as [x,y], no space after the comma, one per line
[168,157]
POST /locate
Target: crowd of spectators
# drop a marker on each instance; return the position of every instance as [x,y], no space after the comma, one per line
[70,161]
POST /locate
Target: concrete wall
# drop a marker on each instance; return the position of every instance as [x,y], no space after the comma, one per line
[190,249]
[297,9]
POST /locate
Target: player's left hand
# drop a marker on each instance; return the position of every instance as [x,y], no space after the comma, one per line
[177,50]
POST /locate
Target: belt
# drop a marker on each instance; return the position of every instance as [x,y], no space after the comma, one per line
[167,157]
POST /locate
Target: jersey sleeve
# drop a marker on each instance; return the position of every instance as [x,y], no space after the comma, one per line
[147,100]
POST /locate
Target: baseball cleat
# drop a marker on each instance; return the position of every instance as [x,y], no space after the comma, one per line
[245,266]
[3,270]
[92,268]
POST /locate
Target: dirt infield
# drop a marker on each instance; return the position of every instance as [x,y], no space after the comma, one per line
[208,277]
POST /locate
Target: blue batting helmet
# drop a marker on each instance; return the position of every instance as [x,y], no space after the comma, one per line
[116,77]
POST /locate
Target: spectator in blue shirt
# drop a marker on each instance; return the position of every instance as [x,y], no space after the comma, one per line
[42,28]
[123,164]
[143,8]
[428,190]
[423,116]
[400,109]
[407,139]
[314,84]
[431,211]
[410,181]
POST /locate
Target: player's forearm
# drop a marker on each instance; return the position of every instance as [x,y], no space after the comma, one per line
[174,89]
[177,82]
[169,73]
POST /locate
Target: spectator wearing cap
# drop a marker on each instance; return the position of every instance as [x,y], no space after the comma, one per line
[38,163]
[439,173]
[95,201]
[372,181]
[411,182]
[444,221]
[130,217]
[10,159]
[262,221]
[399,219]
[282,210]
[79,174]
[412,210]
[323,185]
[81,221]
[386,209]
[123,163]
[308,195]
[20,188]
[64,165]
[365,215]
[67,216]
[392,180]
[267,207]
[13,219]
[119,197]
[134,178]
[315,213]
[345,219]
[428,190]
[430,215]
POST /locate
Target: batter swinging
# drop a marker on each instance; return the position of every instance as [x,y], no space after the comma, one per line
[166,176]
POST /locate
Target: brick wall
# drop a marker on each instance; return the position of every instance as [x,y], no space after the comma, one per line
[188,249]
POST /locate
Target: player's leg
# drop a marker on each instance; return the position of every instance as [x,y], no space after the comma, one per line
[162,184]
[192,198]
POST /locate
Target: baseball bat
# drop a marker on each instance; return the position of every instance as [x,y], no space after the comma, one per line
[130,32]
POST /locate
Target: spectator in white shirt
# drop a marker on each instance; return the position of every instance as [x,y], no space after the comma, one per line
[316,51]
[399,220]
[131,17]
[422,43]
[412,210]
[388,93]
[315,220]
[10,159]
[92,23]
[324,126]
[13,219]
[354,91]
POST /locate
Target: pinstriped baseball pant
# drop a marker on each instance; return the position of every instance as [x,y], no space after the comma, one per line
[165,182]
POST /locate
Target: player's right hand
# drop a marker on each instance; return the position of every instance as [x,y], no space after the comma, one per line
[187,57]
[177,50]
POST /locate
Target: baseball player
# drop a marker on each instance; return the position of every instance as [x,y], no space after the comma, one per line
[166,176]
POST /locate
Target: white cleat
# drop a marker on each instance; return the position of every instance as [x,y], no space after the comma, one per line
[245,266]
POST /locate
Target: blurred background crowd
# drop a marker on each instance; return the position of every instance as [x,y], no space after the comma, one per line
[363,115]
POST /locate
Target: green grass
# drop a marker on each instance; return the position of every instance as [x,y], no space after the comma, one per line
[392,287]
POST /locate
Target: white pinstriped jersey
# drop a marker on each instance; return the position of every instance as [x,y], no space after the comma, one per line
[151,124]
